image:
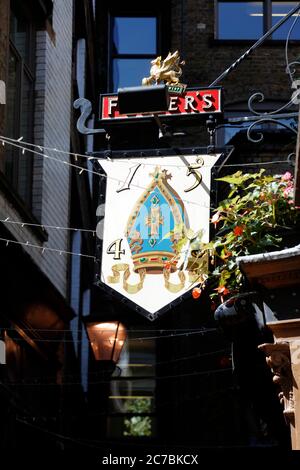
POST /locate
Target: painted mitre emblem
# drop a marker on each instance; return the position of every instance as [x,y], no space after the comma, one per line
[155,226]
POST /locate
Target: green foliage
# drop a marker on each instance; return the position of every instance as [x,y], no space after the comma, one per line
[249,221]
[138,425]
[259,208]
[257,213]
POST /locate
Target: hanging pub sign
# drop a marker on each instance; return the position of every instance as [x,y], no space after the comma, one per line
[154,215]
[156,212]
[191,102]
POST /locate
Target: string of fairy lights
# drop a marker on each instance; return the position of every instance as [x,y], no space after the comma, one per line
[200,331]
[131,378]
[39,150]
[27,147]
[46,248]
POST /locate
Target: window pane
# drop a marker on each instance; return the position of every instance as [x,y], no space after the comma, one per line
[26,130]
[134,35]
[20,36]
[130,72]
[240,20]
[12,115]
[279,10]
[26,118]
[117,427]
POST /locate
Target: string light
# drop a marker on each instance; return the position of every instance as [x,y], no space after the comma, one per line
[203,331]
[13,142]
[44,248]
[10,140]
[44,226]
[160,330]
[135,338]
[94,172]
[131,378]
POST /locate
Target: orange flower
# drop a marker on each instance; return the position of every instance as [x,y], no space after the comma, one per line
[227,255]
[222,290]
[196,292]
[238,230]
[168,265]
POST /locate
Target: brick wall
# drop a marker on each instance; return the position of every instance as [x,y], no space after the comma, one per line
[51,184]
[4,15]
[193,28]
[55,131]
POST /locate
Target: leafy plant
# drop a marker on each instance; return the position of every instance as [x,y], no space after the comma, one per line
[250,220]
[138,425]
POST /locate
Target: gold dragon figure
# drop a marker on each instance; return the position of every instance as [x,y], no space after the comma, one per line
[167,70]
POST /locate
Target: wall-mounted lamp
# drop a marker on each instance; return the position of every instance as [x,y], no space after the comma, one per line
[107,339]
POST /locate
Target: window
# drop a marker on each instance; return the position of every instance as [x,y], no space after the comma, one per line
[134,45]
[132,401]
[253,19]
[280,9]
[20,101]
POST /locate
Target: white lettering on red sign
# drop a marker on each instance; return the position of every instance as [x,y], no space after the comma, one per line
[191,102]
[173,105]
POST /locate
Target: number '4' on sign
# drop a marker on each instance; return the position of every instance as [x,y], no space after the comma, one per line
[115,248]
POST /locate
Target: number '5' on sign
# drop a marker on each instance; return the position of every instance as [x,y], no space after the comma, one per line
[115,248]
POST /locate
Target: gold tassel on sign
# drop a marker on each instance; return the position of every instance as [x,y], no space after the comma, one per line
[123,267]
[170,286]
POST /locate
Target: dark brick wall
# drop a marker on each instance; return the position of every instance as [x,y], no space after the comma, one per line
[4,15]
[193,24]
[4,25]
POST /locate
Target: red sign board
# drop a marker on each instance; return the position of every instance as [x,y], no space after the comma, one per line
[192,102]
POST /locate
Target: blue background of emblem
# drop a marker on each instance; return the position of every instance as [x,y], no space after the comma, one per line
[167,226]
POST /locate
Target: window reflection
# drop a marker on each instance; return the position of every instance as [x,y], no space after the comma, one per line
[134,35]
[132,399]
[134,45]
[129,72]
[240,20]
[250,20]
[20,36]
[20,102]
[279,10]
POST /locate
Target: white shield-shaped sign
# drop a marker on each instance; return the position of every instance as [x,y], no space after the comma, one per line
[149,204]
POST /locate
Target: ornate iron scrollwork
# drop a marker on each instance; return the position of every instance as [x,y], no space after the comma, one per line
[276,115]
[86,110]
[260,97]
[266,119]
